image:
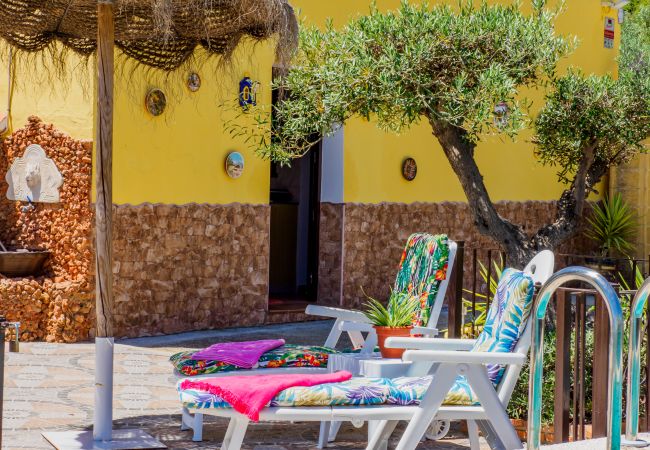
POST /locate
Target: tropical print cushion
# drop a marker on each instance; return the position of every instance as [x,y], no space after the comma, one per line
[355,392]
[505,322]
[422,267]
[286,356]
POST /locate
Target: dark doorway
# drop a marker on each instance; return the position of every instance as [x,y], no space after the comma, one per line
[295,206]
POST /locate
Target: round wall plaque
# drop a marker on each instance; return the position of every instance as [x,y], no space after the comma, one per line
[155,102]
[235,165]
[409,169]
[193,82]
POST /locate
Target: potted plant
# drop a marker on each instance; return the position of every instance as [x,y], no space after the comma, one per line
[394,319]
[612,226]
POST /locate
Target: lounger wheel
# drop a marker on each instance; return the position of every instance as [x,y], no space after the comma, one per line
[437,430]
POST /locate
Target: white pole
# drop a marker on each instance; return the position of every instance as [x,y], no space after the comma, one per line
[103,425]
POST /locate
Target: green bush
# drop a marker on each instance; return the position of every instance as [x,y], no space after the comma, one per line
[518,407]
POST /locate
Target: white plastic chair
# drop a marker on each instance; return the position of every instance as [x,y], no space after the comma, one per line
[350,321]
[455,358]
[355,322]
[445,359]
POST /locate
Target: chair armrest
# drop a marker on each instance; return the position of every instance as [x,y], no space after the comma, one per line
[337,313]
[425,331]
[418,343]
[464,357]
[356,326]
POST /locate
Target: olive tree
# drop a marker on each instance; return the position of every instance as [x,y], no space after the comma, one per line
[451,67]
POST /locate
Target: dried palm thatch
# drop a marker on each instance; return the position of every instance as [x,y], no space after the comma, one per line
[158,33]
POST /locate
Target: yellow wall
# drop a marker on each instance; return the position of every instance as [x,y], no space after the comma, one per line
[373,158]
[43,94]
[179,156]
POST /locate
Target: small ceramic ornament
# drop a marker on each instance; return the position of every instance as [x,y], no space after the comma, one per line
[193,82]
[247,93]
[501,115]
[409,169]
[155,102]
[235,165]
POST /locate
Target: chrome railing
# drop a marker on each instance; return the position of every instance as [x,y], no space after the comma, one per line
[615,370]
[634,368]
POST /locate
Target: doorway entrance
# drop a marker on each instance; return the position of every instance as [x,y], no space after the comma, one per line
[295,215]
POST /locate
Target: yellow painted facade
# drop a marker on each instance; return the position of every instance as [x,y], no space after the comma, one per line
[66,102]
[373,158]
[179,156]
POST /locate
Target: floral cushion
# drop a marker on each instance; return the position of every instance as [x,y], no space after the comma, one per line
[355,392]
[422,268]
[286,356]
[505,322]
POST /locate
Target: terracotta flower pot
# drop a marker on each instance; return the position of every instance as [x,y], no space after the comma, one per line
[384,333]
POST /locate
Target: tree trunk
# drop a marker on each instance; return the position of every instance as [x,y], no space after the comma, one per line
[460,154]
[519,247]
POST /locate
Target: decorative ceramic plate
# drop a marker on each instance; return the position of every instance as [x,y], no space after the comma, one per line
[193,81]
[155,102]
[409,169]
[235,165]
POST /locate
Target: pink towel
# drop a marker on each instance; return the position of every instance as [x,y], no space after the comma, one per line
[241,354]
[248,395]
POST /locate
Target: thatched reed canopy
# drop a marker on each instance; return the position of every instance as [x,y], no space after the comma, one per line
[158,33]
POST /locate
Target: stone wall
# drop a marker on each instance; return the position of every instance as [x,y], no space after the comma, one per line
[374,236]
[189,267]
[59,305]
[330,253]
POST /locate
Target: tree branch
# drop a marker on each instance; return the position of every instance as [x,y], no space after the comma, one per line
[571,205]
[460,154]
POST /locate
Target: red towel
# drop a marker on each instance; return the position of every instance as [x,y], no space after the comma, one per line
[248,395]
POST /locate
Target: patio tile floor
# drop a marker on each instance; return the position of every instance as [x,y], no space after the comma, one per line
[50,387]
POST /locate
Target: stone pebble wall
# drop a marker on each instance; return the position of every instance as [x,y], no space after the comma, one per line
[330,253]
[189,267]
[59,305]
[374,236]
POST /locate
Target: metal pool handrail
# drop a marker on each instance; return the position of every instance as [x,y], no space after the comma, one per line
[615,369]
[634,367]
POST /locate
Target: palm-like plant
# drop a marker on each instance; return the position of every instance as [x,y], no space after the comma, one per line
[612,225]
[399,312]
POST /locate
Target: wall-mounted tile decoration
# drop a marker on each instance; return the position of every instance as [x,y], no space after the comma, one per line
[501,114]
[193,82]
[248,93]
[155,102]
[34,177]
[409,169]
[234,164]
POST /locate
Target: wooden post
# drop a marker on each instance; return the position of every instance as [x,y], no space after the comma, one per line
[103,418]
[104,167]
[455,294]
[600,378]
[562,364]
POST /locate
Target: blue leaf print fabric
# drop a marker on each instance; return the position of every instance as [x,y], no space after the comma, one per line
[505,322]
